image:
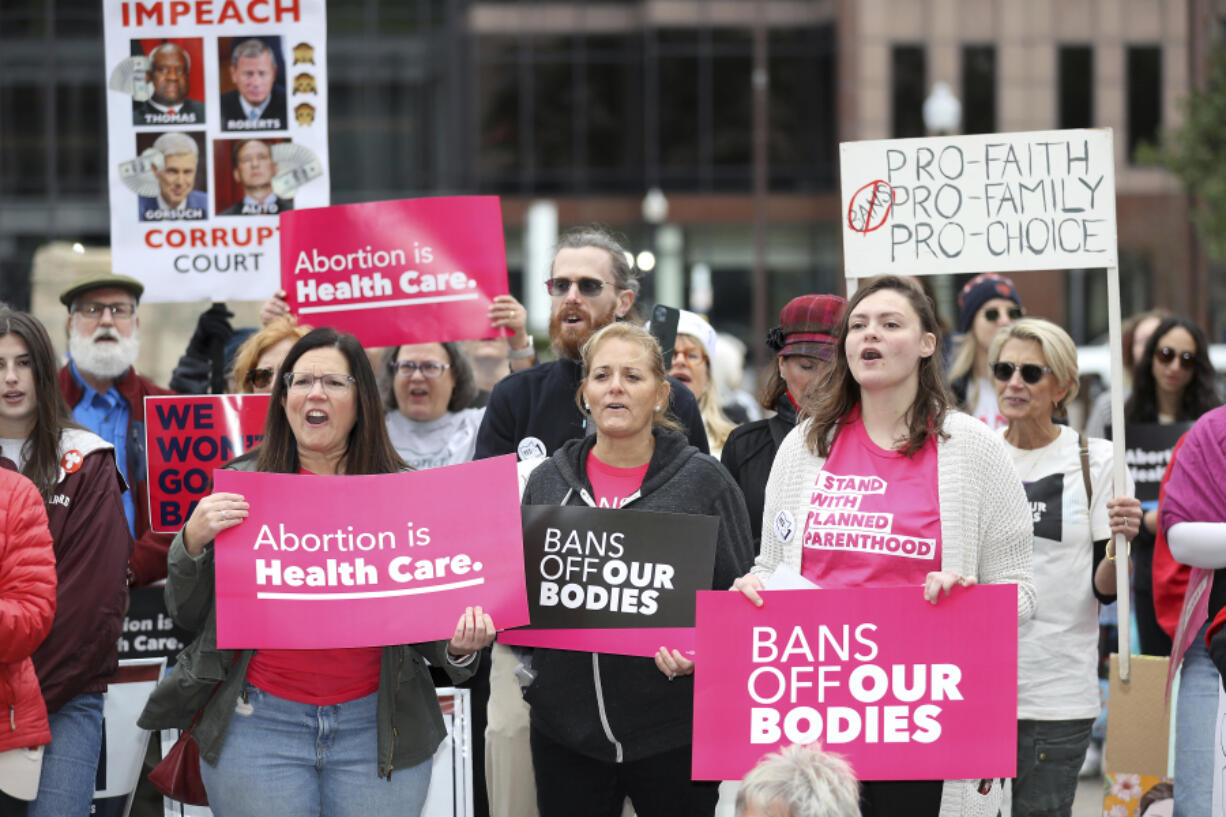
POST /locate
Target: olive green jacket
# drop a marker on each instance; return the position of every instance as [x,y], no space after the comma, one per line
[410,724]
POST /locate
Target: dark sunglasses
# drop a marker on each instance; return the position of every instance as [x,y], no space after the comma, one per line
[1031,372]
[588,287]
[260,378]
[1166,355]
[993,315]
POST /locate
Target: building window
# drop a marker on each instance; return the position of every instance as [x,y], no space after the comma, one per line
[908,84]
[979,89]
[1144,97]
[1075,75]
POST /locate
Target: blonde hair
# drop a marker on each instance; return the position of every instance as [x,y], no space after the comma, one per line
[622,330]
[714,421]
[277,330]
[1059,352]
[799,781]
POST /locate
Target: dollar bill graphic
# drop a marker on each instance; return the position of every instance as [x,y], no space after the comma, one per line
[136,167]
[130,77]
[286,184]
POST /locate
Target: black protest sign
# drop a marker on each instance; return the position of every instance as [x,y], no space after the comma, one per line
[1046,498]
[600,568]
[1148,448]
[148,630]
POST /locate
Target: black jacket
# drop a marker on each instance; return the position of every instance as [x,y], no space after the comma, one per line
[538,405]
[748,455]
[621,708]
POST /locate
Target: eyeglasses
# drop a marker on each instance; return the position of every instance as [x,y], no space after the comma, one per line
[692,356]
[302,382]
[92,310]
[993,315]
[260,378]
[588,287]
[1166,356]
[429,369]
[1031,372]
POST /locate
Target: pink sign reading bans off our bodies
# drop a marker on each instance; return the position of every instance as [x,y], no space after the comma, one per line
[361,561]
[393,272]
[903,689]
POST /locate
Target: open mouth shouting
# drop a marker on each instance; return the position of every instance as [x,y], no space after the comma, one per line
[316,417]
[14,397]
[870,354]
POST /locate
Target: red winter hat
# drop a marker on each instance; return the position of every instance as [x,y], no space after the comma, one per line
[808,325]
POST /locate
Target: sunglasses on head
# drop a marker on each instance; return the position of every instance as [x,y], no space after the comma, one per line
[1031,372]
[260,378]
[993,315]
[588,287]
[1166,355]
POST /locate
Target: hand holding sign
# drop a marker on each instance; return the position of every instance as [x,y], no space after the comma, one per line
[673,663]
[749,584]
[939,581]
[215,513]
[474,631]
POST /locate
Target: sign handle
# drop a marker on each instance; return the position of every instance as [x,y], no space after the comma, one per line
[1120,468]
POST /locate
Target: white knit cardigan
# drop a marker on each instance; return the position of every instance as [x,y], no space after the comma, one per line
[986,532]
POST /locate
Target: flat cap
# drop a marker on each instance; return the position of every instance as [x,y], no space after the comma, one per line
[101,280]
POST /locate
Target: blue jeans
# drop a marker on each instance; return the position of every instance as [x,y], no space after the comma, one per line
[1049,756]
[70,761]
[286,758]
[1195,731]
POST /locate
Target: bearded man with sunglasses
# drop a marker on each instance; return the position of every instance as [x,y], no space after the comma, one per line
[107,396]
[532,413]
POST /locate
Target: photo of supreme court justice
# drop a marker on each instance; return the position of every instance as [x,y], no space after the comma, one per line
[179,176]
[170,76]
[251,98]
[245,169]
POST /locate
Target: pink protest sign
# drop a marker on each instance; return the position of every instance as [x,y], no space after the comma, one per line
[903,689]
[359,561]
[392,272]
[186,437]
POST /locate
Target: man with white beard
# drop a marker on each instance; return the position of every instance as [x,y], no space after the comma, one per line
[107,396]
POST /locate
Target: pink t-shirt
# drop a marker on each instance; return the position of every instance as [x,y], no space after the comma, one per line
[611,485]
[874,516]
[318,677]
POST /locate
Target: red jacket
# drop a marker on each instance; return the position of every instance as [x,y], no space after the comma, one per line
[27,605]
[1170,577]
[149,558]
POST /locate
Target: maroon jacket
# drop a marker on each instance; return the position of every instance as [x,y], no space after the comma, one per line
[27,603]
[92,548]
[149,558]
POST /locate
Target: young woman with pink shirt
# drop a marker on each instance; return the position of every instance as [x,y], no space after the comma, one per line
[881,410]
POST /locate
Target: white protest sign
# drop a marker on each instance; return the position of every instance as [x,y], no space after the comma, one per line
[217,120]
[992,202]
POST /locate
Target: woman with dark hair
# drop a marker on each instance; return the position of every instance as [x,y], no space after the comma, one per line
[307,731]
[803,345]
[881,410]
[1172,382]
[74,471]
[428,419]
[607,727]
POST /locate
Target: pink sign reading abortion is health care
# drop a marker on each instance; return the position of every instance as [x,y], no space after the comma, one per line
[362,561]
[903,689]
[393,272]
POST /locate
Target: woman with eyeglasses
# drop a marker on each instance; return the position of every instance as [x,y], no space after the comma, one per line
[881,410]
[693,350]
[259,358]
[1076,512]
[332,732]
[986,303]
[75,472]
[431,385]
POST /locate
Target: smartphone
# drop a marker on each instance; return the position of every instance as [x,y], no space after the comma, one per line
[663,326]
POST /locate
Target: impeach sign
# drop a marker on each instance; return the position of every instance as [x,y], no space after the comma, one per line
[393,272]
[612,580]
[362,561]
[1000,201]
[904,689]
[186,438]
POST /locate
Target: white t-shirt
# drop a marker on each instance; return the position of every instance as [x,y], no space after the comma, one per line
[1057,661]
[449,440]
[986,409]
